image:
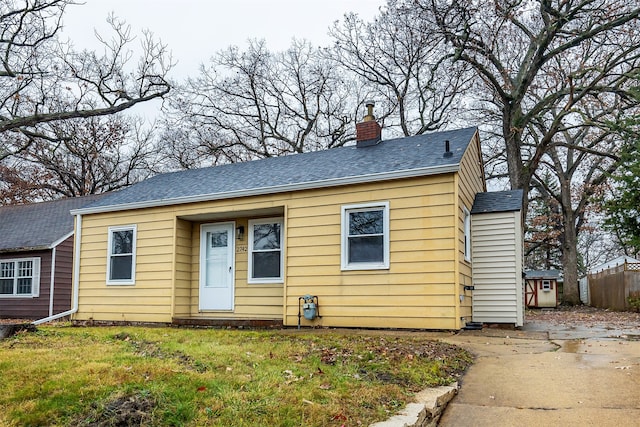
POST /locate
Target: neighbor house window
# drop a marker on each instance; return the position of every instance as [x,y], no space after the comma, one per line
[265,250]
[365,236]
[467,235]
[20,277]
[121,265]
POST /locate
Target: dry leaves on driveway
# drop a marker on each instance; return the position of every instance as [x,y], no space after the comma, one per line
[585,316]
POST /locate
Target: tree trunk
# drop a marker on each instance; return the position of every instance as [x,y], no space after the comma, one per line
[571,292]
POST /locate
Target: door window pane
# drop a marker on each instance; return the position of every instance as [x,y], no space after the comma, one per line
[219,239]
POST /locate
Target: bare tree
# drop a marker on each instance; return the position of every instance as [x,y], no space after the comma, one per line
[90,156]
[539,63]
[581,162]
[402,59]
[255,103]
[43,80]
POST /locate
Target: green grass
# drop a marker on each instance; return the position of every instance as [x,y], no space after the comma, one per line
[102,376]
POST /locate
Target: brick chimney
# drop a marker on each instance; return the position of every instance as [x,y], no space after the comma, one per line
[368,132]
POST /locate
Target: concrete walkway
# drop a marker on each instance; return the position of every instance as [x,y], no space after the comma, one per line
[548,375]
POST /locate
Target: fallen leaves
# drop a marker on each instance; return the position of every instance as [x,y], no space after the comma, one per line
[586,317]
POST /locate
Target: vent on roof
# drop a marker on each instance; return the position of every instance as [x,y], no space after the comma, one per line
[447,149]
[368,132]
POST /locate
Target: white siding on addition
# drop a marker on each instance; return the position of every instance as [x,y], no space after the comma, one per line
[497,268]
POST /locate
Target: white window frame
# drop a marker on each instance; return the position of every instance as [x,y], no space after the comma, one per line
[257,280]
[344,241]
[35,277]
[467,234]
[112,230]
[546,285]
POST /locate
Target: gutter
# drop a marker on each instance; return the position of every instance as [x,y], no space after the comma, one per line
[76,278]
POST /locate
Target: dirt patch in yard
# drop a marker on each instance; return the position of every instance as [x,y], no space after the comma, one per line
[120,411]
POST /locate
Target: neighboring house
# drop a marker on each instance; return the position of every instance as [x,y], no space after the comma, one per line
[497,236]
[615,262]
[379,233]
[36,247]
[542,288]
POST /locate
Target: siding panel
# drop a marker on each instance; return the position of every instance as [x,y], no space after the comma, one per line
[497,268]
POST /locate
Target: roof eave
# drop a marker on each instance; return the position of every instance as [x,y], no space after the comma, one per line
[309,185]
[495,211]
[25,249]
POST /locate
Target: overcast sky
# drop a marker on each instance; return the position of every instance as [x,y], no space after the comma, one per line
[195,29]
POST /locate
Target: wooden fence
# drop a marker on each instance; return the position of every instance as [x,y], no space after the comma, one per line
[610,288]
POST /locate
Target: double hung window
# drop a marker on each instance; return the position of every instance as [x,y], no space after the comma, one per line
[121,263]
[265,251]
[20,277]
[365,236]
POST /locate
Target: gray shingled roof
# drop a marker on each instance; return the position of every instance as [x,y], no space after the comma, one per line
[497,201]
[401,157]
[542,274]
[37,226]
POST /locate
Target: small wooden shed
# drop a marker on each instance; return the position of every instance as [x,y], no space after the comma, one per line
[541,289]
[496,251]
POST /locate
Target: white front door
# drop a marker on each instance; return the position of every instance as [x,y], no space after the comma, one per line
[217,266]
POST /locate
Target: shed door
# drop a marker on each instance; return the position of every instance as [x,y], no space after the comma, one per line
[216,266]
[531,294]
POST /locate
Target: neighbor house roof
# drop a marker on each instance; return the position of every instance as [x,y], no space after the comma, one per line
[542,274]
[38,226]
[613,263]
[390,159]
[497,201]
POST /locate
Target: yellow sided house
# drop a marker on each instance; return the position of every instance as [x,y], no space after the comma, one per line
[372,235]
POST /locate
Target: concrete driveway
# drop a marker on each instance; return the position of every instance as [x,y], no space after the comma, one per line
[550,374]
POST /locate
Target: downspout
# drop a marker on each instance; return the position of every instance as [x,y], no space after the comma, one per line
[76,274]
[52,283]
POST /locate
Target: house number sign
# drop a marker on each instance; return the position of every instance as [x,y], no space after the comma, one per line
[241,249]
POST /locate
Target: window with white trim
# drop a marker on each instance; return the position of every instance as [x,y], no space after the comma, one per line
[121,262]
[365,236]
[467,235]
[20,277]
[265,250]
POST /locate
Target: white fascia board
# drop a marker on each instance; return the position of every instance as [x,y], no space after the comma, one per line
[60,240]
[309,185]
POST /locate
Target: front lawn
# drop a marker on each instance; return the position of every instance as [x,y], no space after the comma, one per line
[107,376]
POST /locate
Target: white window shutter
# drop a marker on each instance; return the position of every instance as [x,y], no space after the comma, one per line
[35,284]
